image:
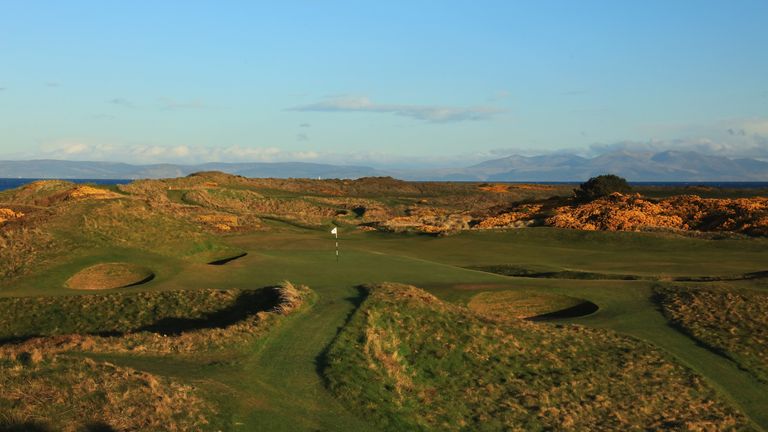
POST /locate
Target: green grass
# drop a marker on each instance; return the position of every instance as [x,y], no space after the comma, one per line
[731,321]
[275,383]
[165,312]
[414,363]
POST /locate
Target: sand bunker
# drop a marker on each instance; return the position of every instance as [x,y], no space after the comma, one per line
[502,305]
[109,276]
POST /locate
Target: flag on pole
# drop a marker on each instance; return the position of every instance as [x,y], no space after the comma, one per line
[335,232]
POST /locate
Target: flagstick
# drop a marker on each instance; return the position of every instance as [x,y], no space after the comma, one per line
[335,232]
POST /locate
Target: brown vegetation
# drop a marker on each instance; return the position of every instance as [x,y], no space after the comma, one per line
[89,192]
[416,363]
[730,321]
[7,214]
[686,212]
[289,299]
[68,394]
[20,248]
[521,216]
[619,212]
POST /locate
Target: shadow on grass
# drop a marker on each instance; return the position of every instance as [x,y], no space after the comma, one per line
[517,271]
[248,303]
[582,309]
[147,279]
[98,427]
[24,427]
[227,260]
[39,427]
[321,361]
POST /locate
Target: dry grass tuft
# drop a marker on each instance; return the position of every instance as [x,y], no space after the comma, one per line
[90,192]
[204,320]
[64,394]
[730,321]
[7,214]
[413,362]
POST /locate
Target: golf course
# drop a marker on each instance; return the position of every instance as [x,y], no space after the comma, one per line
[260,326]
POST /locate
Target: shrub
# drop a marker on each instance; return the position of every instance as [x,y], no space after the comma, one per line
[600,186]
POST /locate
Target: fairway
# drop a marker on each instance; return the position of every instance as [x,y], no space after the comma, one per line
[278,383]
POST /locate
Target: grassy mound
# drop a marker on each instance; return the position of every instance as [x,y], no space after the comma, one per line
[731,322]
[503,305]
[109,276]
[413,362]
[79,394]
[165,312]
[155,323]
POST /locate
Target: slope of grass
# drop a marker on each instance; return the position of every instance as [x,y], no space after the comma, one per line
[164,312]
[62,394]
[271,382]
[416,363]
[731,321]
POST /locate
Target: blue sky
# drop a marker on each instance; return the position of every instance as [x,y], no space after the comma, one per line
[379,83]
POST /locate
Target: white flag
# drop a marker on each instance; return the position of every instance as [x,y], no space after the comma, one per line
[335,231]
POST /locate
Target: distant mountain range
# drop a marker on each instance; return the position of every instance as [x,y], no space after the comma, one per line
[109,170]
[657,167]
[667,166]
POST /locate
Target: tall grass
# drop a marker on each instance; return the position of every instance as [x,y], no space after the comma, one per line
[412,362]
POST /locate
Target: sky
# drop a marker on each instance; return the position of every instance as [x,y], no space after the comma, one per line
[395,83]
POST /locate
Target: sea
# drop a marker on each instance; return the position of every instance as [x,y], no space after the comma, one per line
[11,183]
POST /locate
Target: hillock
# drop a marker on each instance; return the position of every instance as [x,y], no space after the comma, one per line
[412,362]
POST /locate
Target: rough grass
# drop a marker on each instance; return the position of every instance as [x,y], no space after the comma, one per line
[733,322]
[109,276]
[180,322]
[21,248]
[504,305]
[412,362]
[131,223]
[162,311]
[62,394]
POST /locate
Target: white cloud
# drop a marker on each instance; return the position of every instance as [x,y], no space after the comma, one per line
[147,154]
[429,113]
[757,126]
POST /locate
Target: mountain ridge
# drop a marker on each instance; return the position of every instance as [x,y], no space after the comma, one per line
[669,165]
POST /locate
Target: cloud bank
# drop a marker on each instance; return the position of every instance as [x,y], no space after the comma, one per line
[153,154]
[428,113]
